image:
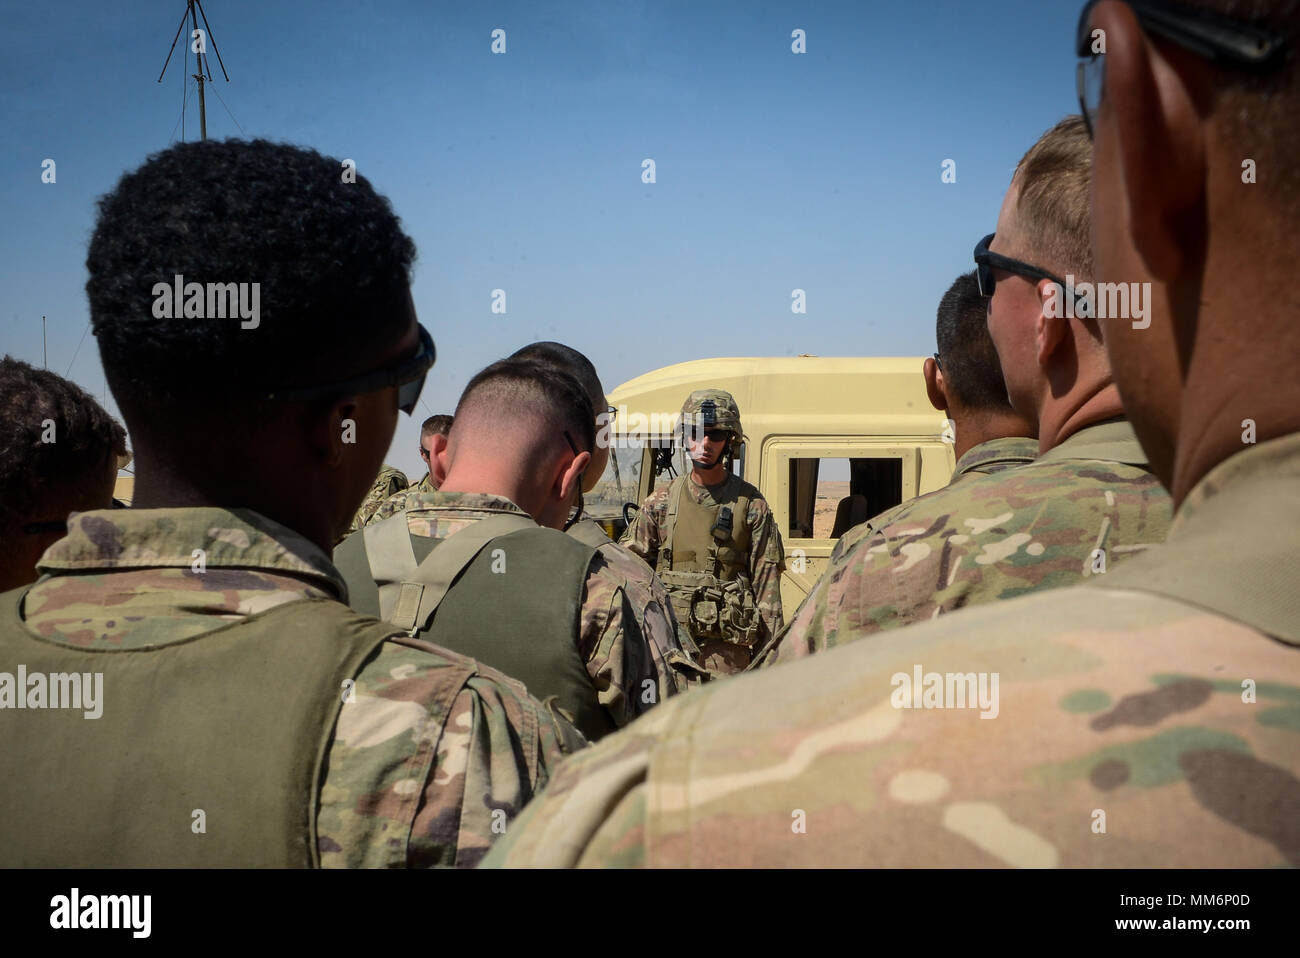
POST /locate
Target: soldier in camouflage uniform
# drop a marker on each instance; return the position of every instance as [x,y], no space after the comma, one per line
[246,717]
[1149,715]
[712,541]
[676,654]
[59,453]
[967,385]
[433,439]
[390,482]
[522,426]
[1088,502]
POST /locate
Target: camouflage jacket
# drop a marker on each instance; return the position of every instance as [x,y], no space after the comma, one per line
[766,555]
[1150,720]
[397,501]
[1073,512]
[620,633]
[390,482]
[129,578]
[983,459]
[674,653]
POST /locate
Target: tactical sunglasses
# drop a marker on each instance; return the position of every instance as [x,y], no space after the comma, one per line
[713,435]
[987,261]
[408,375]
[1227,42]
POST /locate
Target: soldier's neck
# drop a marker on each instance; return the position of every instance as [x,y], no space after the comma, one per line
[709,477]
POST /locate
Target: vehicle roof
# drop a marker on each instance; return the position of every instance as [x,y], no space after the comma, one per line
[800,395]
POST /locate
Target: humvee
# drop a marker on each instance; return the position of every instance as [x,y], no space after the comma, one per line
[829,441]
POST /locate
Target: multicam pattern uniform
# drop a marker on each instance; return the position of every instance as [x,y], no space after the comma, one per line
[644,537]
[397,501]
[1149,718]
[983,459]
[407,783]
[389,483]
[1020,530]
[676,654]
[619,633]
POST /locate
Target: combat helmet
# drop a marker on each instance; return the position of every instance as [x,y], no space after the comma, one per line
[711,409]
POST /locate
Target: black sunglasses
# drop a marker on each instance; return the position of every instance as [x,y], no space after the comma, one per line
[408,375]
[1227,42]
[986,261]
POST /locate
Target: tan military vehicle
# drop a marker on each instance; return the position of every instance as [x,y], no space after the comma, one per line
[829,441]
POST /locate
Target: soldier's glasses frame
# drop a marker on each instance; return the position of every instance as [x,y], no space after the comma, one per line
[986,261]
[407,375]
[1226,41]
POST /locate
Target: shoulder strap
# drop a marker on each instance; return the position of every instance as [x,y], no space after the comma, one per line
[410,591]
[589,533]
[670,522]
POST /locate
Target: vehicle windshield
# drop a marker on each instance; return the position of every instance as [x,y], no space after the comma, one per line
[618,484]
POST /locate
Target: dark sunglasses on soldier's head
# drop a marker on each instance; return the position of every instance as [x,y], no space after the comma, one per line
[407,375]
[986,261]
[1229,43]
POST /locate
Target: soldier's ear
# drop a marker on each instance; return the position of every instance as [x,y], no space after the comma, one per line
[328,430]
[438,460]
[934,385]
[1050,330]
[570,478]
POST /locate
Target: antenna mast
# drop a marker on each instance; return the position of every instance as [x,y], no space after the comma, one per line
[201,58]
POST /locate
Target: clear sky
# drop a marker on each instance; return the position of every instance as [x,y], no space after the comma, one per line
[523,171]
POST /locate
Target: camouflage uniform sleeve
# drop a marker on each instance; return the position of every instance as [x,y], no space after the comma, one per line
[619,641]
[766,563]
[593,812]
[439,745]
[391,506]
[807,631]
[642,536]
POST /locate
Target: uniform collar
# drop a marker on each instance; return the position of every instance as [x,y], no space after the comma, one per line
[168,538]
[468,502]
[1112,440]
[1011,450]
[1232,545]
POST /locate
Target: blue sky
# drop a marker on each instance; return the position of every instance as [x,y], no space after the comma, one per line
[522,171]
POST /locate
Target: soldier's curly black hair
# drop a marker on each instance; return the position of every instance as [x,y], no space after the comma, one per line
[330,257]
[52,435]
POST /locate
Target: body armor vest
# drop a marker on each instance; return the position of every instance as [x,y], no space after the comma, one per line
[704,564]
[504,591]
[234,722]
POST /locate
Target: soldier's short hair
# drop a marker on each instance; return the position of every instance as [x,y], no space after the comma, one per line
[1053,202]
[438,425]
[972,373]
[53,436]
[330,259]
[569,359]
[509,385]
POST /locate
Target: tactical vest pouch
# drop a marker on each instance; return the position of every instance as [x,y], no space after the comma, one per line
[713,610]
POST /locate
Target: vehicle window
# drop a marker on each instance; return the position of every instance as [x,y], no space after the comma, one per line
[618,483]
[830,496]
[681,465]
